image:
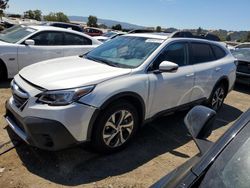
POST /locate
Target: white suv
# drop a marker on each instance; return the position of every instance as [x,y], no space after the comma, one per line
[21,46]
[106,95]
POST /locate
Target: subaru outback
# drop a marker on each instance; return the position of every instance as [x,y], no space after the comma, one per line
[106,95]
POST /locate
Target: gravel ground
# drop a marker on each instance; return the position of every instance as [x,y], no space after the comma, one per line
[159,147]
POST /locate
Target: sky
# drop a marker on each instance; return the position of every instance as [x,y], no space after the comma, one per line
[182,14]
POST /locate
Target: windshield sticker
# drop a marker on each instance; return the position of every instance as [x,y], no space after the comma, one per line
[154,40]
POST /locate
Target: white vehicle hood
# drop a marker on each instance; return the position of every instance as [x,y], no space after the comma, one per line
[69,72]
[2,43]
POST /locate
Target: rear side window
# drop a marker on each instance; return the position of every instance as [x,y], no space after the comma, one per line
[72,39]
[219,53]
[201,53]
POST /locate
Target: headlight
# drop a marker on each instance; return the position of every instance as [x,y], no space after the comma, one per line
[63,97]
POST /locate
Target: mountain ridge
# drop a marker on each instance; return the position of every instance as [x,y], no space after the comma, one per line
[107,22]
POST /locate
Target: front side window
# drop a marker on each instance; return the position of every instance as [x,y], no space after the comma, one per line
[73,39]
[48,38]
[176,53]
[201,53]
[125,51]
[16,33]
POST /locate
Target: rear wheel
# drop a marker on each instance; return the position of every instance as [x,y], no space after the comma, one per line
[217,98]
[115,127]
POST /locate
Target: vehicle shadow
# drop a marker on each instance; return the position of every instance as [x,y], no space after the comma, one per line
[226,115]
[243,88]
[78,166]
[5,84]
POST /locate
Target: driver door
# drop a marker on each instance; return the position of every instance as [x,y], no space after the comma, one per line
[171,89]
[48,45]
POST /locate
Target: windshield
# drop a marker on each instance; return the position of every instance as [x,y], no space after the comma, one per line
[109,34]
[242,54]
[232,168]
[16,33]
[125,51]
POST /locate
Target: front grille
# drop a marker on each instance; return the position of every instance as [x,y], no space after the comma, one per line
[19,101]
[243,67]
[19,95]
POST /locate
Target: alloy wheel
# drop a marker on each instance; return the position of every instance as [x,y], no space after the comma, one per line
[118,128]
[218,98]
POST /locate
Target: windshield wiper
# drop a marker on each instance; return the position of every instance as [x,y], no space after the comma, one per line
[102,61]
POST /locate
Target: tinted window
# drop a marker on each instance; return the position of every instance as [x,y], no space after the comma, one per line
[201,53]
[175,53]
[48,38]
[219,53]
[72,39]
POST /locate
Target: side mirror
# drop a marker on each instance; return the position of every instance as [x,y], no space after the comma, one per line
[199,122]
[167,66]
[29,42]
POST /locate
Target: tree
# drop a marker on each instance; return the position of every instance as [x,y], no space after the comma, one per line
[199,31]
[248,37]
[33,14]
[38,15]
[158,29]
[117,27]
[92,21]
[29,14]
[228,38]
[103,26]
[56,17]
[3,6]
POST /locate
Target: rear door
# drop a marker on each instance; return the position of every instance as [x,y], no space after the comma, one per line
[76,44]
[207,69]
[48,45]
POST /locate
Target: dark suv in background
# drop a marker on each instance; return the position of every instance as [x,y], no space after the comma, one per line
[65,25]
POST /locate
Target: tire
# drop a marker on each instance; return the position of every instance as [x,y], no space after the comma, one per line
[217,97]
[111,133]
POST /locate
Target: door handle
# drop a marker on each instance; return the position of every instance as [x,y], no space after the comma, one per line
[59,52]
[218,69]
[190,75]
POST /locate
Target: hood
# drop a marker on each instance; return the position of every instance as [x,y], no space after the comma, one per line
[2,43]
[69,72]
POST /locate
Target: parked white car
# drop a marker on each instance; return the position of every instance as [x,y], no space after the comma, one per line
[107,94]
[108,36]
[21,46]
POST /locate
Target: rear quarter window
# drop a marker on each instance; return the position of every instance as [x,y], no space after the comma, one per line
[218,52]
[201,53]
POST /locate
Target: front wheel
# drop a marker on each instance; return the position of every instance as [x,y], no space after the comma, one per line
[115,127]
[217,97]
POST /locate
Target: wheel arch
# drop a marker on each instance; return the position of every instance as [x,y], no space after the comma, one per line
[5,70]
[225,81]
[222,80]
[132,97]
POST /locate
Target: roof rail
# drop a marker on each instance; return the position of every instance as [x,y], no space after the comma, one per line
[188,34]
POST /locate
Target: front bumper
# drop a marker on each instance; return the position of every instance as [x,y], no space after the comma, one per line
[50,128]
